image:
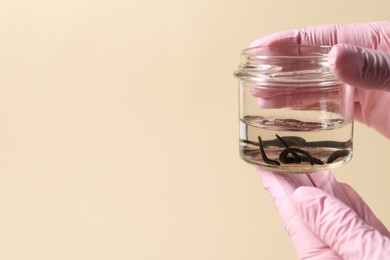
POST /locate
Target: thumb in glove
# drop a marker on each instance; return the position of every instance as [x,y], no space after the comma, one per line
[369,71]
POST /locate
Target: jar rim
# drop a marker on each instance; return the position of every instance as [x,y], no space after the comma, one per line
[290,51]
[294,64]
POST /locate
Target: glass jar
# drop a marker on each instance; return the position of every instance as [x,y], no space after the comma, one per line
[295,116]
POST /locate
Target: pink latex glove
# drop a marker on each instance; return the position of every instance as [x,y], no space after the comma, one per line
[360,58]
[326,219]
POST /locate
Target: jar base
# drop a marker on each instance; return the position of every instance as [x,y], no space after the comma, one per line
[255,158]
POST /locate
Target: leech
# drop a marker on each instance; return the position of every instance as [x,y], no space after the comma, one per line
[284,159]
[282,141]
[295,159]
[298,155]
[313,159]
[249,142]
[338,154]
[299,158]
[288,160]
[264,156]
[317,161]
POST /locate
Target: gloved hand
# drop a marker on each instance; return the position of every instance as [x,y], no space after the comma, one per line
[360,58]
[326,219]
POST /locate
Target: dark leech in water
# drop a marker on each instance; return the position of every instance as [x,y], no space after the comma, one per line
[264,156]
[296,155]
[297,158]
[338,154]
[303,155]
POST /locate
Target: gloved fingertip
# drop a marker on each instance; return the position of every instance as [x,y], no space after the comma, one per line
[360,67]
[262,172]
[346,62]
[256,43]
[266,177]
[279,38]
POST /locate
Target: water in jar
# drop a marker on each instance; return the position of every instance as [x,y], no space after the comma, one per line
[300,144]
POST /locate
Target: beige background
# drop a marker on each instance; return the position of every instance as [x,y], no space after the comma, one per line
[118,135]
